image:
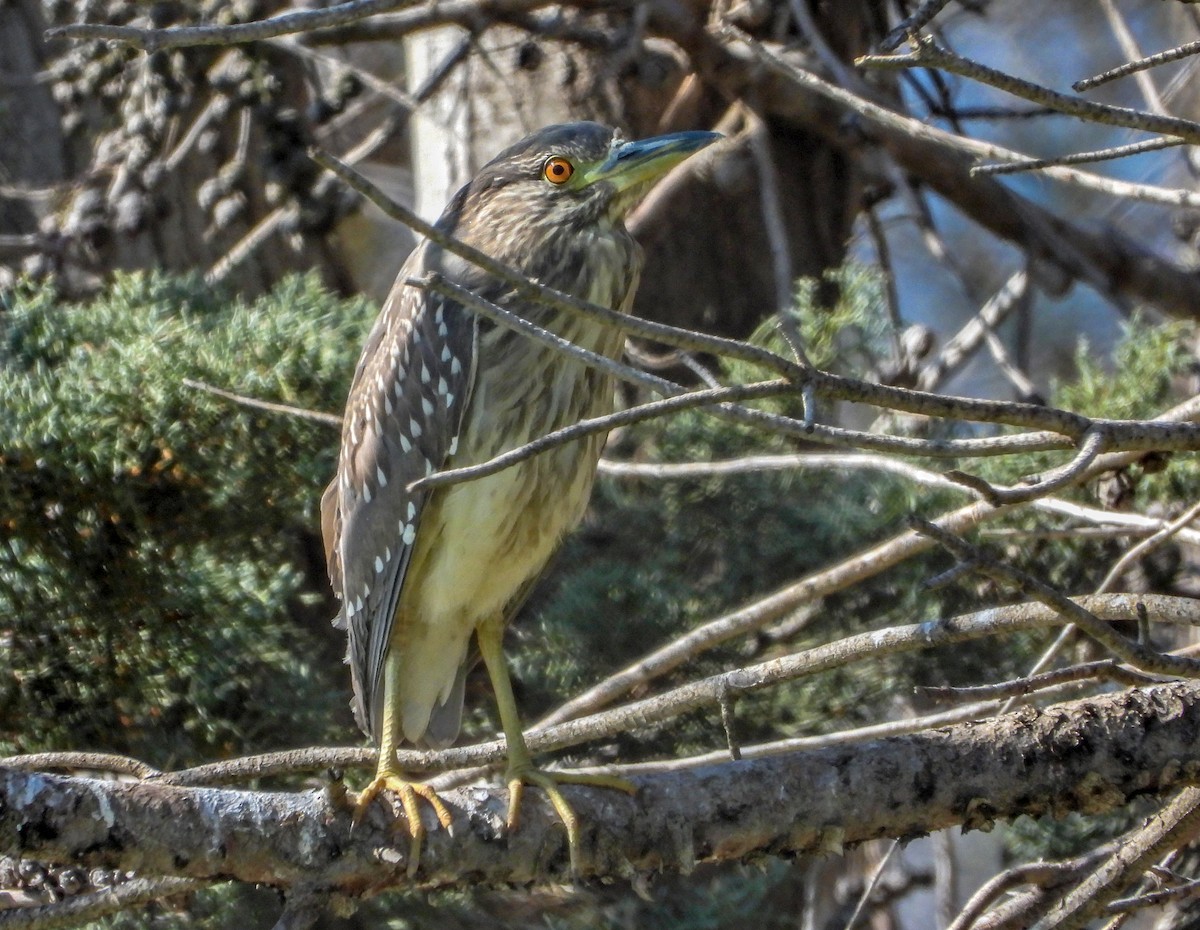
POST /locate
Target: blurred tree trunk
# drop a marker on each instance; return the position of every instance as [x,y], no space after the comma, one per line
[32,154]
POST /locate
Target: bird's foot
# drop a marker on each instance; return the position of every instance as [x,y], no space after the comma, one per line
[407,793]
[520,775]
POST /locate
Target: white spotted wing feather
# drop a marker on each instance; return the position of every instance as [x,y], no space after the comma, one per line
[401,423]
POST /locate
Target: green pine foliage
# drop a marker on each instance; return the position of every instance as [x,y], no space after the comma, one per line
[160,575]
[163,590]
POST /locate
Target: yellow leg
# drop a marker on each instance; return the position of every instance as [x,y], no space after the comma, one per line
[521,771]
[389,778]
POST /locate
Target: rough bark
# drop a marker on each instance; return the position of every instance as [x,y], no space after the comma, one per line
[1088,756]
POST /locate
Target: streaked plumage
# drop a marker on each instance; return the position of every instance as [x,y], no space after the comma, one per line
[417,572]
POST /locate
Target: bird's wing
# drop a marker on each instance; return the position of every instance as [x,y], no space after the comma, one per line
[402,420]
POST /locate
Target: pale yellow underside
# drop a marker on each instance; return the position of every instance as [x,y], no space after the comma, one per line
[481,542]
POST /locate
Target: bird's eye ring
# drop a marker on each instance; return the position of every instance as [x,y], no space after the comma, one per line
[557,170]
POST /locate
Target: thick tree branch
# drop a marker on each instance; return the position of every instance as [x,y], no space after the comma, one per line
[1088,756]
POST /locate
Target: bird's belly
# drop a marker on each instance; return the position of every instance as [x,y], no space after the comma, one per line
[480,544]
[494,538]
[495,534]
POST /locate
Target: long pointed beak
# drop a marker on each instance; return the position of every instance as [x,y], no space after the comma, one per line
[633,163]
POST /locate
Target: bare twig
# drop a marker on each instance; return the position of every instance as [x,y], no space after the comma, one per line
[1079,158]
[316,416]
[550,297]
[1005,364]
[729,724]
[1176,824]
[268,765]
[684,401]
[1188,890]
[1105,670]
[959,348]
[890,294]
[1094,515]
[928,54]
[81,761]
[777,235]
[1163,532]
[1146,546]
[1129,47]
[869,888]
[1134,653]
[1044,875]
[921,17]
[1133,67]
[753,464]
[890,728]
[1092,446]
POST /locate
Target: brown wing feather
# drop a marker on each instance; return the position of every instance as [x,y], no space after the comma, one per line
[402,420]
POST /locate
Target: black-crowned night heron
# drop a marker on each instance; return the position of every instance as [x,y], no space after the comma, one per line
[419,572]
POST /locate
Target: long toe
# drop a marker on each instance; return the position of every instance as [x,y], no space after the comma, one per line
[549,782]
[406,792]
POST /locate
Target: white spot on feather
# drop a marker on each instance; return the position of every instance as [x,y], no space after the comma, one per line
[427,407]
[381,476]
[367,493]
[414,426]
[410,533]
[405,443]
[455,366]
[378,565]
[453,446]
[412,510]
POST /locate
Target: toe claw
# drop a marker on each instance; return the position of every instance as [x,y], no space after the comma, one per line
[520,776]
[407,793]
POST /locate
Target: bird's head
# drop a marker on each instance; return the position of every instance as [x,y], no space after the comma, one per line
[563,180]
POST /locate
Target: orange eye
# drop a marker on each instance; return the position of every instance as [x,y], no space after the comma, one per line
[558,170]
